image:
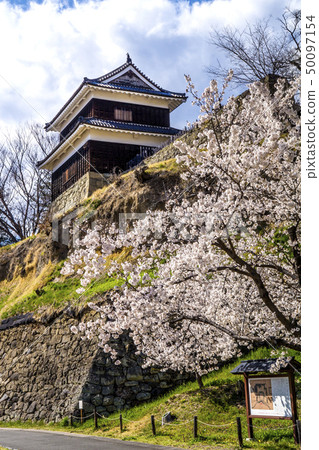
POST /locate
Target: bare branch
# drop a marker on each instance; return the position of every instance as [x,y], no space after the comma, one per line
[260,50]
[24,190]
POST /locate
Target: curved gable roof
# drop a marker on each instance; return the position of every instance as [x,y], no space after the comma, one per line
[129,66]
[127,77]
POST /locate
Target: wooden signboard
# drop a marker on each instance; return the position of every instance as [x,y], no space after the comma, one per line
[268,396]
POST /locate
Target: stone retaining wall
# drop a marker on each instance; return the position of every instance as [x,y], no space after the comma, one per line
[77,193]
[46,369]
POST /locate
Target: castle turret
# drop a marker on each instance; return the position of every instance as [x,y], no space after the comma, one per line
[106,124]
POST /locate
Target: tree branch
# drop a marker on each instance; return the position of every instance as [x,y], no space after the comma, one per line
[255,276]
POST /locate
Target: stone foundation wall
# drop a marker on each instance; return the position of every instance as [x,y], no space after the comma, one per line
[71,197]
[42,370]
[78,192]
[96,181]
[46,369]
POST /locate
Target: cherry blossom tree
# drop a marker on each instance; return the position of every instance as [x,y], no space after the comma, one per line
[212,275]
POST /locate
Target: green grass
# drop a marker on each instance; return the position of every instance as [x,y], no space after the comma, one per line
[58,294]
[48,292]
[218,403]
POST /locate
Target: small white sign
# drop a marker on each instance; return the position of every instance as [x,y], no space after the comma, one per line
[270,397]
[80,404]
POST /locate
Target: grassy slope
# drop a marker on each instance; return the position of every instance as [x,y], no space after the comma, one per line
[33,290]
[219,403]
[54,291]
[38,290]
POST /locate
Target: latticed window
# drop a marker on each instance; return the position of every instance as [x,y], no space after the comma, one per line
[69,173]
[123,114]
[73,169]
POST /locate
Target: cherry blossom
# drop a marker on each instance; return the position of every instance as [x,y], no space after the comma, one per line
[218,273]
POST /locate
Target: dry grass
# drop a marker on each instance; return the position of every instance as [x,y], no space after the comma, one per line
[170,165]
[14,291]
[128,193]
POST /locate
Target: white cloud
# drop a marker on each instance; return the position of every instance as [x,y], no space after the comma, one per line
[47,50]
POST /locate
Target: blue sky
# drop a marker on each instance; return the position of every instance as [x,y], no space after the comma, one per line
[25,4]
[65,3]
[49,46]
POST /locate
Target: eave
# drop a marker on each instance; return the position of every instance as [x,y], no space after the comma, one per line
[83,95]
[75,138]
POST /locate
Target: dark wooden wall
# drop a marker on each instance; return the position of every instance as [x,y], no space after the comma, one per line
[85,112]
[73,169]
[107,156]
[122,112]
[102,157]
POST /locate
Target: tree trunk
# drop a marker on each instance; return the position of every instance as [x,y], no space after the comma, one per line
[199,381]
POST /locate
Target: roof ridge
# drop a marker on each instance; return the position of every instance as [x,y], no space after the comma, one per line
[98,82]
[128,63]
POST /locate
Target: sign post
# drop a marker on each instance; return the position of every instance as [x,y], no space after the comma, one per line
[249,419]
[81,410]
[269,395]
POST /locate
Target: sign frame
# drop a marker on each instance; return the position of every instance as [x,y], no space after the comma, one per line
[269,416]
[292,396]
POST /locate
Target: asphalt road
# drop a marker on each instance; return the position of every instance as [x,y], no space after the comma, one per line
[47,440]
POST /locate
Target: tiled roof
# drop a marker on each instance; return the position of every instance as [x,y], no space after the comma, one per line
[129,126]
[128,63]
[114,125]
[124,87]
[263,365]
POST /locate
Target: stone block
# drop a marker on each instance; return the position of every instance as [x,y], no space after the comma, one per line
[142,396]
[108,400]
[4,398]
[99,370]
[164,376]
[151,378]
[97,400]
[107,390]
[110,409]
[101,410]
[145,387]
[131,383]
[165,385]
[32,408]
[56,339]
[114,372]
[100,360]
[87,408]
[107,380]
[119,381]
[134,374]
[42,414]
[92,389]
[94,378]
[119,402]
